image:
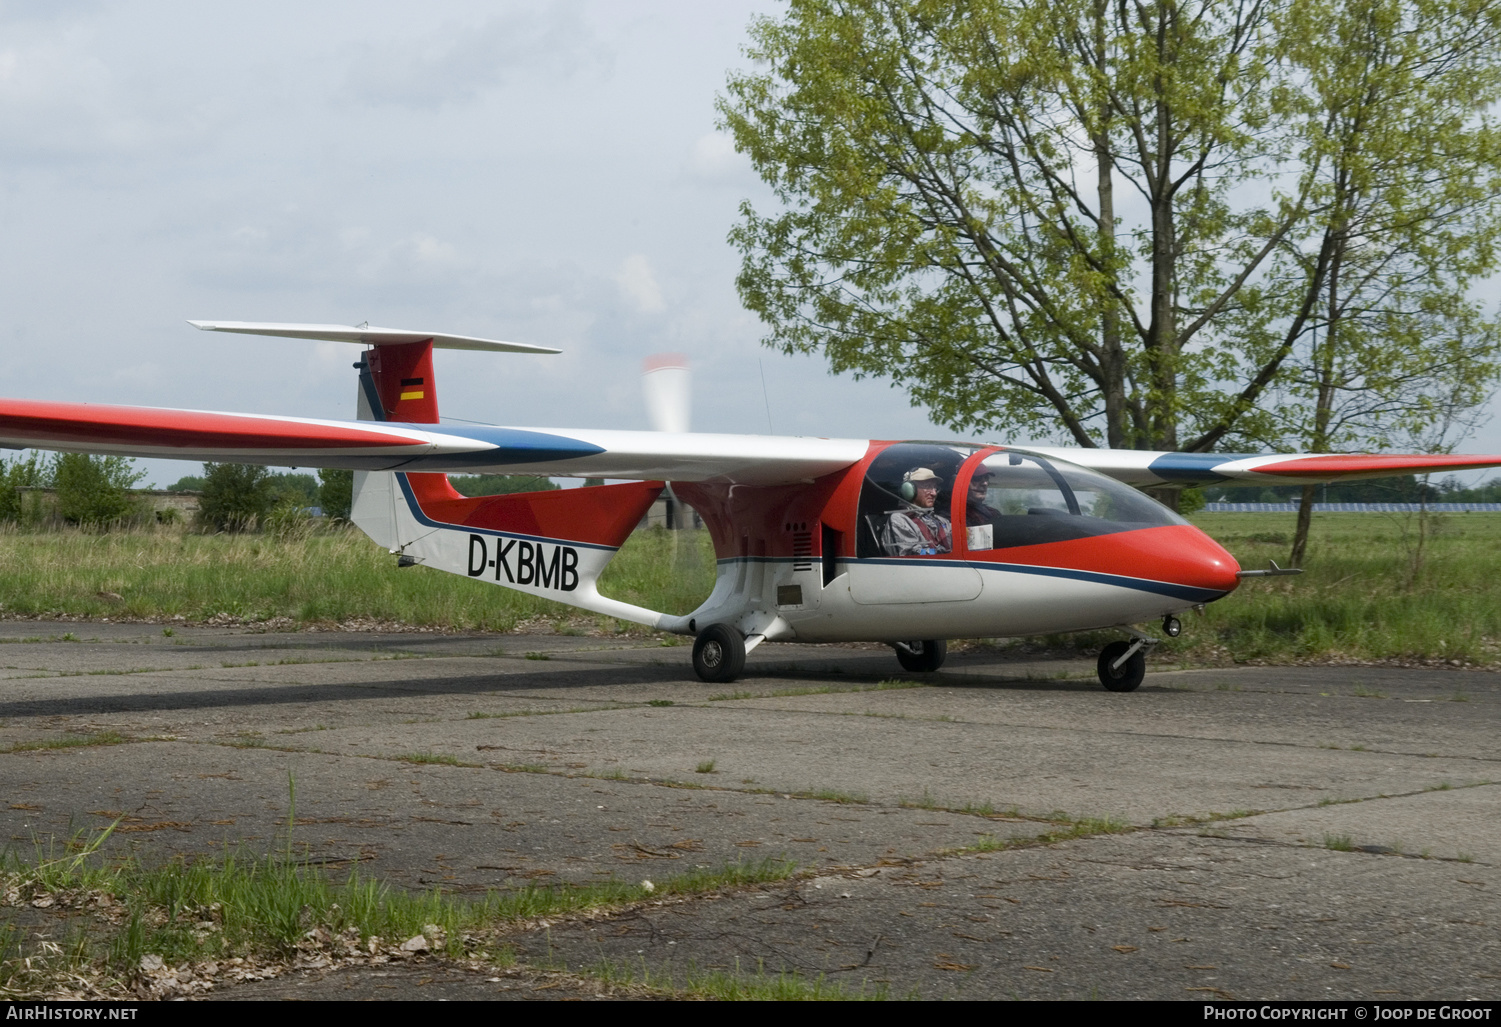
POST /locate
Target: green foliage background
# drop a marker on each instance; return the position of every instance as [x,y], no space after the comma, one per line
[1135,224]
[236,497]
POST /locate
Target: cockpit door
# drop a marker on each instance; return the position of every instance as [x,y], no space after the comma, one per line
[906,550]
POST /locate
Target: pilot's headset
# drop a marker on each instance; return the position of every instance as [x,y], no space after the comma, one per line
[908,491]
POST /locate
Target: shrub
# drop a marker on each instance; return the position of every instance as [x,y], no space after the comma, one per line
[288,522]
[336,493]
[32,472]
[236,497]
[92,490]
[296,489]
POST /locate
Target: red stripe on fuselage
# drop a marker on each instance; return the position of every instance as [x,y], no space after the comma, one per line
[1178,553]
[22,419]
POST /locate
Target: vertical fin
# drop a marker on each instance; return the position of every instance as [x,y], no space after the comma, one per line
[403,379]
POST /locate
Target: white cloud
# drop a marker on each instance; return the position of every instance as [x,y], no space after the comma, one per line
[639,285]
[69,92]
[460,62]
[425,249]
[480,166]
[713,158]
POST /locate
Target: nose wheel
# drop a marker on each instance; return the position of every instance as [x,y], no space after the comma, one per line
[920,657]
[1122,665]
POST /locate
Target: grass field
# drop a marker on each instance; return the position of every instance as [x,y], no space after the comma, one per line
[329,578]
[1376,588]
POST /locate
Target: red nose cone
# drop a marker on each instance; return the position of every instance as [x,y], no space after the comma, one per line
[1180,554]
[1200,561]
[1177,554]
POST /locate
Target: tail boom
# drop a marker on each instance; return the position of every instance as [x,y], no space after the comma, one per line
[549,544]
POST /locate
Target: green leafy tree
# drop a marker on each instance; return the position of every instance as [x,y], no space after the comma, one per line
[295,489]
[93,490]
[236,497]
[187,483]
[336,492]
[1395,351]
[1077,213]
[1451,491]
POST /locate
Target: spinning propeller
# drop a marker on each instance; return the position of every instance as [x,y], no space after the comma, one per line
[667,387]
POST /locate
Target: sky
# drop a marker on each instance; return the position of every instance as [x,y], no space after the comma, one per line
[547,173]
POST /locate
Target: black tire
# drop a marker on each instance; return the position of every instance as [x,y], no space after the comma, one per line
[1128,675]
[929,655]
[718,654]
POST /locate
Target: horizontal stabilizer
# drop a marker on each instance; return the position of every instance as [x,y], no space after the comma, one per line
[368,336]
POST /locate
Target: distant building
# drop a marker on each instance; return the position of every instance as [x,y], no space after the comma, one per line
[157,501]
[665,513]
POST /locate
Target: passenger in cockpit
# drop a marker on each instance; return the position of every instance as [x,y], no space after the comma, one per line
[976,510]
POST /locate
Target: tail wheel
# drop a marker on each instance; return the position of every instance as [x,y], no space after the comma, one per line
[920,657]
[1129,674]
[718,654]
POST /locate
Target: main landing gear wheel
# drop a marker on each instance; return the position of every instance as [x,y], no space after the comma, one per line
[922,656]
[1128,675]
[718,654]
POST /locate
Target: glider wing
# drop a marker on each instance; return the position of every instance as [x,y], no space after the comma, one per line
[1142,468]
[406,446]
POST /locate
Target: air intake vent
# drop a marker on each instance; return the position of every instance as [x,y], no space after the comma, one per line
[802,550]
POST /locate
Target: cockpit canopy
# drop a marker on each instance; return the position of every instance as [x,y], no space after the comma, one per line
[989,500]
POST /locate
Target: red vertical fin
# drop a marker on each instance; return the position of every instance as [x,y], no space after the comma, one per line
[403,376]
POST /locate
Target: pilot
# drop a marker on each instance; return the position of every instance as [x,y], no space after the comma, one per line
[916,529]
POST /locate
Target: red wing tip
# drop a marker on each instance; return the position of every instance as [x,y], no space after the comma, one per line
[1375,462]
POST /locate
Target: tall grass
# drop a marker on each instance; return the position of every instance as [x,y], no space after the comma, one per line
[331,577]
[1371,591]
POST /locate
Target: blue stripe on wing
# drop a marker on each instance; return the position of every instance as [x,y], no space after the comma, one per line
[1192,467]
[512,445]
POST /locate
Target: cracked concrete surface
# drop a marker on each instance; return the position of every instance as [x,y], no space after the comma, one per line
[1274,832]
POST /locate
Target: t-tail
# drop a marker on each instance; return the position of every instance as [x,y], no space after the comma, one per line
[553,544]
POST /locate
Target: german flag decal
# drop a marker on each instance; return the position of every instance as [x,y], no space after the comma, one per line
[413,395]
